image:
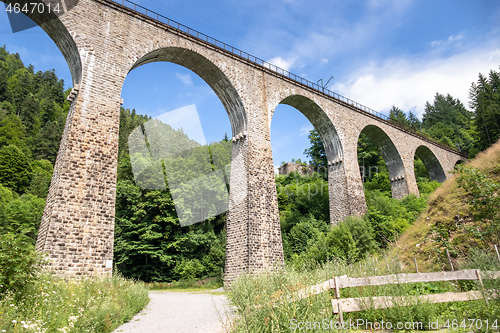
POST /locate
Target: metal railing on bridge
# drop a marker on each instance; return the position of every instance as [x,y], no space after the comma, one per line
[242,54]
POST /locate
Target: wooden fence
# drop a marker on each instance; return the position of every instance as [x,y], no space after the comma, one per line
[341,305]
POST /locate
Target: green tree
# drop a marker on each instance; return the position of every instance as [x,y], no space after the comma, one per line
[11,130]
[414,122]
[42,175]
[449,122]
[15,170]
[316,152]
[485,101]
[399,116]
[47,140]
[369,158]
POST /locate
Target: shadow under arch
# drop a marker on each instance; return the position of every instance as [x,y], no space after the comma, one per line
[392,158]
[58,32]
[337,183]
[431,163]
[209,73]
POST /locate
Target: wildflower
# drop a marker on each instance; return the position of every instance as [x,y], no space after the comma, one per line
[14,321]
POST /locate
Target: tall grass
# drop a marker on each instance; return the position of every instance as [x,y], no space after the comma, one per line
[260,300]
[52,304]
[266,303]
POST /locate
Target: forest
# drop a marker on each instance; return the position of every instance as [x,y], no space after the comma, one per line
[150,243]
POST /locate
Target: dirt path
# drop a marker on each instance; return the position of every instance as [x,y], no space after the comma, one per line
[179,312]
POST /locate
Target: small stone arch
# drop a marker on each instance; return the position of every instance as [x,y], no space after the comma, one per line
[392,158]
[210,73]
[432,164]
[337,183]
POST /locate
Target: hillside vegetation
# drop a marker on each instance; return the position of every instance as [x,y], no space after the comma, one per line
[462,215]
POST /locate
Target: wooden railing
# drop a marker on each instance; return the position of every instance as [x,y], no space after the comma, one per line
[341,305]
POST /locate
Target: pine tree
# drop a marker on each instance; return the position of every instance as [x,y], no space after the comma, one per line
[485,100]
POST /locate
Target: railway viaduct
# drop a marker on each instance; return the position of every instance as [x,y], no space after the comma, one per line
[103,40]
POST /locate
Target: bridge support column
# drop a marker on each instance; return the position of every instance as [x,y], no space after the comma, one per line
[77,226]
[399,186]
[340,206]
[354,183]
[254,243]
[411,181]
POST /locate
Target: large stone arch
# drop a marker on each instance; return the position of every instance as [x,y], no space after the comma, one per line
[339,206]
[392,158]
[238,259]
[207,71]
[59,33]
[431,163]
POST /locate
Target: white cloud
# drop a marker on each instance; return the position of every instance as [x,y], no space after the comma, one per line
[282,63]
[450,40]
[392,5]
[304,130]
[185,78]
[324,61]
[408,82]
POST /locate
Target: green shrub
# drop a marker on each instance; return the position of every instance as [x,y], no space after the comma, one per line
[426,187]
[302,236]
[390,217]
[363,234]
[483,194]
[23,215]
[189,269]
[349,241]
[19,262]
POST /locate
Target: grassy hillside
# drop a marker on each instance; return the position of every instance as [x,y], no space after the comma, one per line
[451,221]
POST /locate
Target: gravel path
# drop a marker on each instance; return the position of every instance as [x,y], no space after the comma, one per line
[179,312]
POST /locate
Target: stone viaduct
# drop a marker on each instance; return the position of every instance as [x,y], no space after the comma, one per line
[102,41]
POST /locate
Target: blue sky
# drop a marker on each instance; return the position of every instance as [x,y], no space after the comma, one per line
[380,52]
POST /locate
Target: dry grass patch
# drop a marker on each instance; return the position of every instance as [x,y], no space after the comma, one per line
[447,223]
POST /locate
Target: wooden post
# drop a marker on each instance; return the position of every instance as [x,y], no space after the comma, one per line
[337,296]
[449,260]
[498,254]
[415,261]
[478,274]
